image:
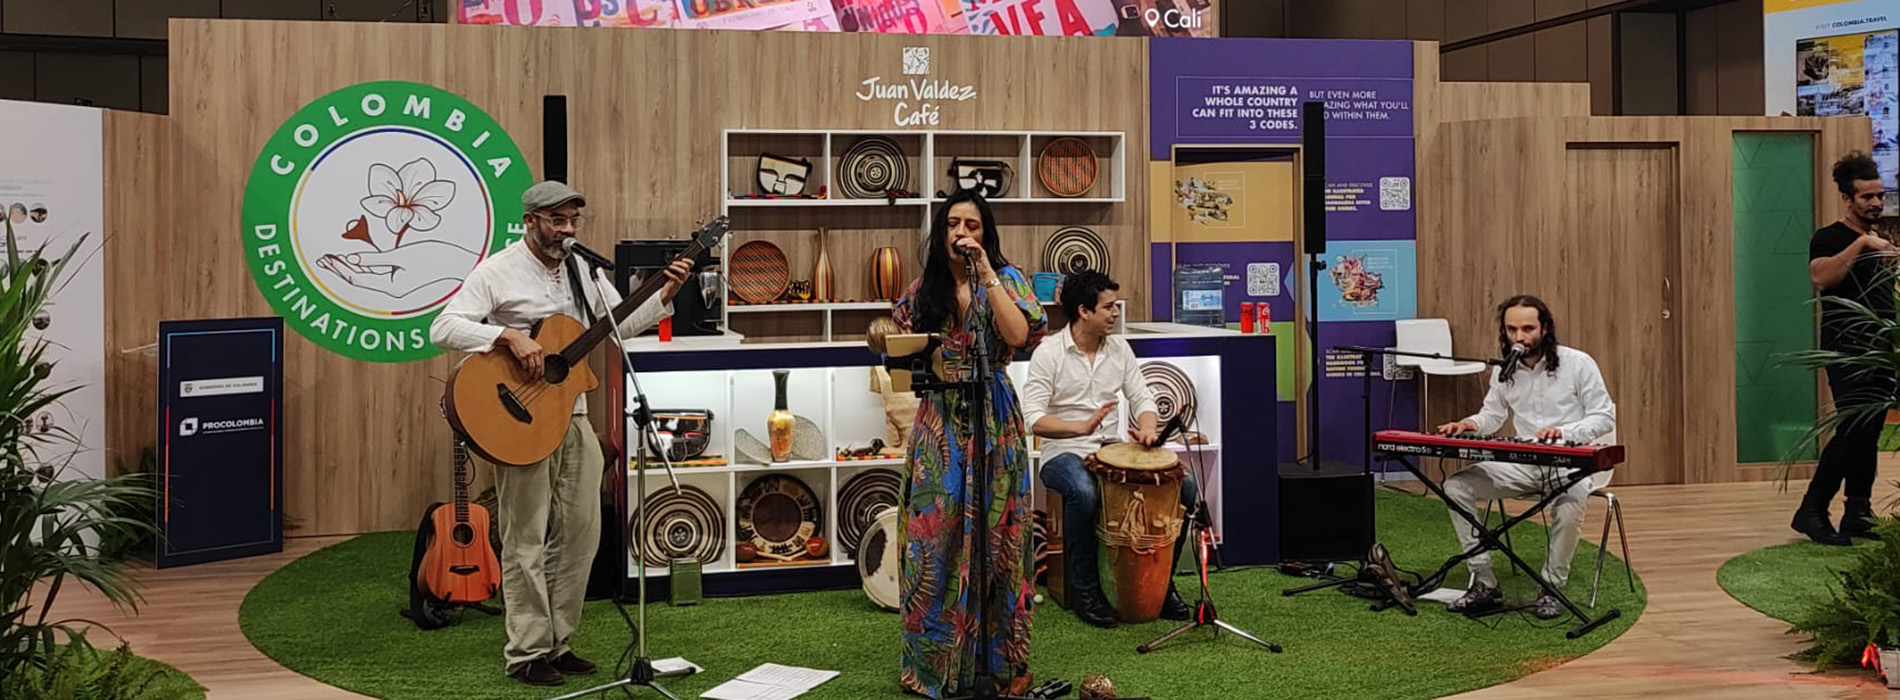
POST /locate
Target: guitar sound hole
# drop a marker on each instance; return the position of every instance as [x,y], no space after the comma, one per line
[462,534]
[555,370]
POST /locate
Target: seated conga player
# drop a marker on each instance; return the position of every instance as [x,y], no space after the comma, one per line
[1069,401]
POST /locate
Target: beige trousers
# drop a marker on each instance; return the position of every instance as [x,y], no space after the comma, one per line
[1483,482]
[549,515]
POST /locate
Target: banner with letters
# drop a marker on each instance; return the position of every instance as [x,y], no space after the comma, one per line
[1827,58]
[1160,18]
[221,447]
[1225,124]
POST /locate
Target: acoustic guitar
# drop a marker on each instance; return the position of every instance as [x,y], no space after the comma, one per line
[512,417]
[460,564]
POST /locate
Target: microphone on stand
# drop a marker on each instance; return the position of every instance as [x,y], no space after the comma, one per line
[1511,360]
[573,246]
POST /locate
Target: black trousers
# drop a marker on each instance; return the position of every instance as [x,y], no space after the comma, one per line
[1852,455]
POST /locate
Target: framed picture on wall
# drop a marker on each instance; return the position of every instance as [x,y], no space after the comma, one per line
[1855,75]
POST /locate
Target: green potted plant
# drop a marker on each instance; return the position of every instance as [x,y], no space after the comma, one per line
[52,519]
[1860,623]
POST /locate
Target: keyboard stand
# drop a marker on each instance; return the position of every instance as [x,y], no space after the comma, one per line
[1493,539]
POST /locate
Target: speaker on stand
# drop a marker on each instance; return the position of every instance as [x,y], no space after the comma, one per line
[1325,504]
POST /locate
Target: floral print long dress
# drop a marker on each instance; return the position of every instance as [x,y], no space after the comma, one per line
[938,589]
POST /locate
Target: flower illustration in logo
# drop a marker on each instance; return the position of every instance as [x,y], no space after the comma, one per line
[407,199]
[1357,285]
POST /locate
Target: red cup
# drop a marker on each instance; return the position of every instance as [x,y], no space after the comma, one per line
[666,329]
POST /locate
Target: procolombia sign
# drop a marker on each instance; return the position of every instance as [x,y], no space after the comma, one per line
[369,206]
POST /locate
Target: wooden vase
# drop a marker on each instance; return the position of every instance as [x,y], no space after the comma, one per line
[823,286]
[887,274]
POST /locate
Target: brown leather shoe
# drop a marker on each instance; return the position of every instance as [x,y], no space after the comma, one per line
[570,665]
[538,672]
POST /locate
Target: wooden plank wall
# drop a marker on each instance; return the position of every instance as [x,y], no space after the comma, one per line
[138,212]
[366,449]
[1509,217]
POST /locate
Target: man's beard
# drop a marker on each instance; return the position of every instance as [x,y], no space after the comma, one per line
[551,249]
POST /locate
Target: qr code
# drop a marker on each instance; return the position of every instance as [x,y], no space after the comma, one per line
[1395,194]
[1263,279]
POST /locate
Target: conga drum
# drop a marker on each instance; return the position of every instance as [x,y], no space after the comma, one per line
[1141,517]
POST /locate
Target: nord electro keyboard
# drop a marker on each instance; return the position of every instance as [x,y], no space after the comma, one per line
[1479,448]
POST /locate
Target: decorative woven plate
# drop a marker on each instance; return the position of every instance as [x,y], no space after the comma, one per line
[1174,392]
[871,168]
[758,272]
[808,441]
[683,525]
[779,514]
[863,496]
[1066,167]
[1073,250]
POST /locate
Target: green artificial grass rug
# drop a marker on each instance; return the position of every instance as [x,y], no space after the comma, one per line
[1785,580]
[332,615]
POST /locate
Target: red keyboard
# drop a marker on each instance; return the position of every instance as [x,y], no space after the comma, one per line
[1479,448]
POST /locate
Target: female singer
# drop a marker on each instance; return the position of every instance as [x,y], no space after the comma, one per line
[941,629]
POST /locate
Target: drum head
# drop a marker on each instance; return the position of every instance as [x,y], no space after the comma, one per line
[1126,462]
[877,559]
[1128,455]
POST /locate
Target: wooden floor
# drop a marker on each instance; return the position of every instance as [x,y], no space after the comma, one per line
[1693,641]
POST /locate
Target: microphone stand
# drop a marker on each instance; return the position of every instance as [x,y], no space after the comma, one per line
[641,673]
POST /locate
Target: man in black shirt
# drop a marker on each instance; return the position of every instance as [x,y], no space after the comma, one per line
[1848,260]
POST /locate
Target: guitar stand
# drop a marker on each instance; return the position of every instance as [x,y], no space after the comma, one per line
[1493,539]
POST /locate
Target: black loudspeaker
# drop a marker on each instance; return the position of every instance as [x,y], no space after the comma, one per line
[1325,514]
[691,314]
[554,137]
[1313,185]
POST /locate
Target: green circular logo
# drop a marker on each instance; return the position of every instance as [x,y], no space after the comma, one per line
[368,208]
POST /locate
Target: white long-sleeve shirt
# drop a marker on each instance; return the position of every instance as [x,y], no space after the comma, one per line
[1572,399]
[512,289]
[1065,384]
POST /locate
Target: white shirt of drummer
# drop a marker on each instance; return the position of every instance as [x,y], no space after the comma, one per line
[1063,382]
[1572,399]
[512,289]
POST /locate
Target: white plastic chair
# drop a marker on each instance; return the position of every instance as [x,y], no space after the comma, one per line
[1430,335]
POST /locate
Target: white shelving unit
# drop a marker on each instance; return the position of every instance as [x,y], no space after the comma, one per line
[839,401]
[929,154]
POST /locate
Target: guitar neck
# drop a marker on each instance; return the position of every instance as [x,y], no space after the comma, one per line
[461,480]
[601,328]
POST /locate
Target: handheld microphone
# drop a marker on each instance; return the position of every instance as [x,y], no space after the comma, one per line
[969,264]
[1511,361]
[573,246]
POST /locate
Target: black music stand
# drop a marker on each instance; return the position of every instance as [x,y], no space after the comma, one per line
[1488,538]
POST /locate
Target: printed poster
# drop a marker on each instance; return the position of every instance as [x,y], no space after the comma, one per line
[53,192]
[1369,281]
[1160,18]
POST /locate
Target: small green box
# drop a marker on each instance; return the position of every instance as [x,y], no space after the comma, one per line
[683,585]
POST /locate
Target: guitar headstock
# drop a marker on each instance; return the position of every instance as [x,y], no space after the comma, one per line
[709,235]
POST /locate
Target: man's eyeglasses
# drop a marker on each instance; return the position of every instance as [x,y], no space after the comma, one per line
[558,220]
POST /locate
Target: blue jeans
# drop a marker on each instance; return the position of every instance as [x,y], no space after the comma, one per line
[1081,510]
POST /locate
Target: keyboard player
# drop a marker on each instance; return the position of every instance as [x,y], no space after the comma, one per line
[1553,393]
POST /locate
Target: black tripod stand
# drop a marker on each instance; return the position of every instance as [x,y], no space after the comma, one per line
[1201,536]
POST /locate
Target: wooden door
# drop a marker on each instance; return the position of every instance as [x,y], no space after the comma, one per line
[1616,278]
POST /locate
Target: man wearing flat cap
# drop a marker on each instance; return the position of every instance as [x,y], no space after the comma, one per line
[548,513]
